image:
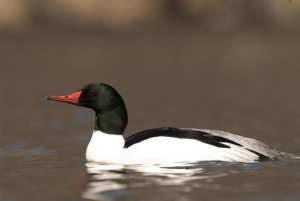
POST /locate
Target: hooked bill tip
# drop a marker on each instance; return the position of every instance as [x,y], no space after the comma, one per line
[47,98]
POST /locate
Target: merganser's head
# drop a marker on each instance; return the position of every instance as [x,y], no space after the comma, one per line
[111,113]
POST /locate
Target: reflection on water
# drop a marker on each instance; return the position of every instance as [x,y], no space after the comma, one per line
[116,181]
[184,181]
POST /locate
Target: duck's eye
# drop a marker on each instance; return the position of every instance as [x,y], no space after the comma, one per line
[91,93]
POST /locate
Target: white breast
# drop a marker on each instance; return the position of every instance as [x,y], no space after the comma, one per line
[105,148]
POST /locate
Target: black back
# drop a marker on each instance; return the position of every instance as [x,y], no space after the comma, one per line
[178,133]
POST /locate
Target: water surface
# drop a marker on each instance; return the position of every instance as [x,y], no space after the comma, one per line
[244,83]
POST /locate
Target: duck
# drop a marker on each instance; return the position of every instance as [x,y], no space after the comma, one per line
[163,145]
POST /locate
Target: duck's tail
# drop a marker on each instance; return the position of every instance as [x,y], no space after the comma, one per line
[285,155]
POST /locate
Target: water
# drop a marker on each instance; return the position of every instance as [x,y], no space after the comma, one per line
[244,83]
[204,180]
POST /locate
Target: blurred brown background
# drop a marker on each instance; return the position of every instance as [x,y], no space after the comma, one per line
[196,63]
[159,53]
[121,14]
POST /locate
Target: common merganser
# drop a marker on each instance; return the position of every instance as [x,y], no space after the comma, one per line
[159,145]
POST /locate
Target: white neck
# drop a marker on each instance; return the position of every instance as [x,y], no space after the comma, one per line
[105,147]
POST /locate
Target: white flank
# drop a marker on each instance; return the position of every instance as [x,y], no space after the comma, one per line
[161,150]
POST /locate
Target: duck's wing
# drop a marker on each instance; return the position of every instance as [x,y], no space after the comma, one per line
[179,133]
[253,145]
[219,140]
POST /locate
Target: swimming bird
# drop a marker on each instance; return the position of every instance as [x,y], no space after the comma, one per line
[159,145]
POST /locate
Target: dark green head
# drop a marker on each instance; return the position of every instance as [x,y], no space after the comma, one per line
[111,113]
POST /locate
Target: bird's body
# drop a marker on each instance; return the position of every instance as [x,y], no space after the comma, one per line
[166,149]
[161,145]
